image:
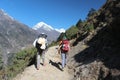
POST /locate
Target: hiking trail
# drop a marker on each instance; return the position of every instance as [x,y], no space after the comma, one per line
[51,71]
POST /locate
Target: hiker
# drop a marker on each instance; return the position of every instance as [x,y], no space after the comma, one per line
[41,44]
[64,47]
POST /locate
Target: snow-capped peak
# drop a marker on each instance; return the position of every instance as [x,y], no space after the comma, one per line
[60,30]
[42,25]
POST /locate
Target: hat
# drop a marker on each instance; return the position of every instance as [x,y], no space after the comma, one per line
[42,33]
[64,37]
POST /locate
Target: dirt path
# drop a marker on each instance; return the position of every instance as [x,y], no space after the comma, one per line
[52,70]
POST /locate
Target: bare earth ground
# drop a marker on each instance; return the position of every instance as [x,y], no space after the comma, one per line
[51,71]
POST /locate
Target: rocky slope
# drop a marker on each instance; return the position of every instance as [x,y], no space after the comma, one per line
[97,56]
[13,34]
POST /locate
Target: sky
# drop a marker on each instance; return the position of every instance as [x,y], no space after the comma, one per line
[56,13]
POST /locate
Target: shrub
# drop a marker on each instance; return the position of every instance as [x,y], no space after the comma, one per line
[20,61]
[71,32]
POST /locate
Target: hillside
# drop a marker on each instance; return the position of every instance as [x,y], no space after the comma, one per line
[97,55]
[94,54]
[14,36]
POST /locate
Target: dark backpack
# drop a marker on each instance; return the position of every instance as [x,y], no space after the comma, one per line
[65,45]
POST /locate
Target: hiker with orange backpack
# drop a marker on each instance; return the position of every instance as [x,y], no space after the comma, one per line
[41,44]
[64,48]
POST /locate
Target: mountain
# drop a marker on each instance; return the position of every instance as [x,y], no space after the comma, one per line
[52,33]
[13,34]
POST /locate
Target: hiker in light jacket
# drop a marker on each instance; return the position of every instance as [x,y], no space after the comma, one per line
[41,44]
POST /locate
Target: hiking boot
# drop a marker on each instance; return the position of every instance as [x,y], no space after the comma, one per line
[37,68]
[62,69]
[44,64]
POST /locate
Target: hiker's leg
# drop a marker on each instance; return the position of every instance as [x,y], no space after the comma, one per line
[38,60]
[63,59]
[43,57]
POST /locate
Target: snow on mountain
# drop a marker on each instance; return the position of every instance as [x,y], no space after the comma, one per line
[42,25]
[52,33]
[60,30]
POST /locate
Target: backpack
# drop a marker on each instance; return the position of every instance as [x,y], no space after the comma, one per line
[42,42]
[65,46]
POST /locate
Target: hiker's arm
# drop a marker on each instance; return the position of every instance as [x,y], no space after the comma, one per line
[46,43]
[59,48]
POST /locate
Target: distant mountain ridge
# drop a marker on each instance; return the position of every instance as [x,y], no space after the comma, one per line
[43,25]
[47,27]
[52,33]
[13,34]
